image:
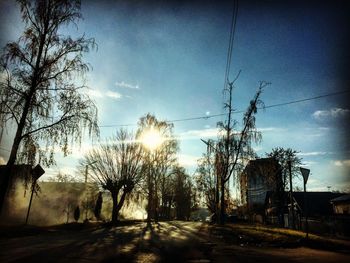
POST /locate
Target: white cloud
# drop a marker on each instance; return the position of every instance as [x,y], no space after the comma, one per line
[309,163]
[113,95]
[123,84]
[271,129]
[94,93]
[214,132]
[312,153]
[258,148]
[197,134]
[332,113]
[188,160]
[78,152]
[342,163]
[103,94]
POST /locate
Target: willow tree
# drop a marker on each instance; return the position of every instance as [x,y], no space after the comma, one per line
[117,166]
[40,92]
[234,144]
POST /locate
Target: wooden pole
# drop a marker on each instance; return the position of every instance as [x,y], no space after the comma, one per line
[30,201]
[291,193]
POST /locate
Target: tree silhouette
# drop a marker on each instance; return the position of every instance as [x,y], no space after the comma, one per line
[40,92]
[234,146]
[158,162]
[206,180]
[98,206]
[183,194]
[77,213]
[117,167]
[283,156]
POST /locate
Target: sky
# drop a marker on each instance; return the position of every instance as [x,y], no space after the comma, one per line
[168,58]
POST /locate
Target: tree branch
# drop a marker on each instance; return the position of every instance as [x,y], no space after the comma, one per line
[48,126]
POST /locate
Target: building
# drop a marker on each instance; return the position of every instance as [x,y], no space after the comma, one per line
[341,205]
[320,208]
[258,178]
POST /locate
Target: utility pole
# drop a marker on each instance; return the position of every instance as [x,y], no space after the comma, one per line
[36,173]
[86,194]
[291,193]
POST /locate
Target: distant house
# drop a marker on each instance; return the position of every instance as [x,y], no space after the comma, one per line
[318,203]
[318,207]
[341,204]
[258,178]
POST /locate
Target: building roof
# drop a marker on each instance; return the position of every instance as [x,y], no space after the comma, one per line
[318,203]
[341,199]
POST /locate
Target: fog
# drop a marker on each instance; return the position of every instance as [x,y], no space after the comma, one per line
[55,203]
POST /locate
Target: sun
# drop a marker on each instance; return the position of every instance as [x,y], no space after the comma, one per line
[152,139]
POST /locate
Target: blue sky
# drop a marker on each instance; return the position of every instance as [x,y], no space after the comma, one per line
[168,58]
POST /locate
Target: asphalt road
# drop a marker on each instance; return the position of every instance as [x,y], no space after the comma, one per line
[173,241]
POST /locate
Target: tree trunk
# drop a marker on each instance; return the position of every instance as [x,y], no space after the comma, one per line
[150,198]
[18,137]
[115,210]
[117,205]
[222,203]
[8,171]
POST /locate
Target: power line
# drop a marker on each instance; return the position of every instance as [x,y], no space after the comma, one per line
[230,46]
[206,117]
[222,114]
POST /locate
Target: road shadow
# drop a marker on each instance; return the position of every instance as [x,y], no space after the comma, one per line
[158,243]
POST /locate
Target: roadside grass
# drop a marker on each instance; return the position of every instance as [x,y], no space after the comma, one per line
[258,235]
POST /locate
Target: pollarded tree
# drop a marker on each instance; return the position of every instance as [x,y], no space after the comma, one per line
[117,166]
[39,88]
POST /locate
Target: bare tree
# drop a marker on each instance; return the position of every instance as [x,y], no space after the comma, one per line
[234,146]
[283,156]
[184,194]
[206,180]
[117,166]
[39,88]
[159,162]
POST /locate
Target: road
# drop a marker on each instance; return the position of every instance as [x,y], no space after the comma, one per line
[173,241]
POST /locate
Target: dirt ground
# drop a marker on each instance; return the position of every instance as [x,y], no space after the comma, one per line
[172,241]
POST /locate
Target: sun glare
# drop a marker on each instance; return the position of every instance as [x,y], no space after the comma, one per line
[152,139]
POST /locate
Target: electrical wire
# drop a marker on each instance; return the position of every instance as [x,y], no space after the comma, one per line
[206,117]
[230,46]
[234,111]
